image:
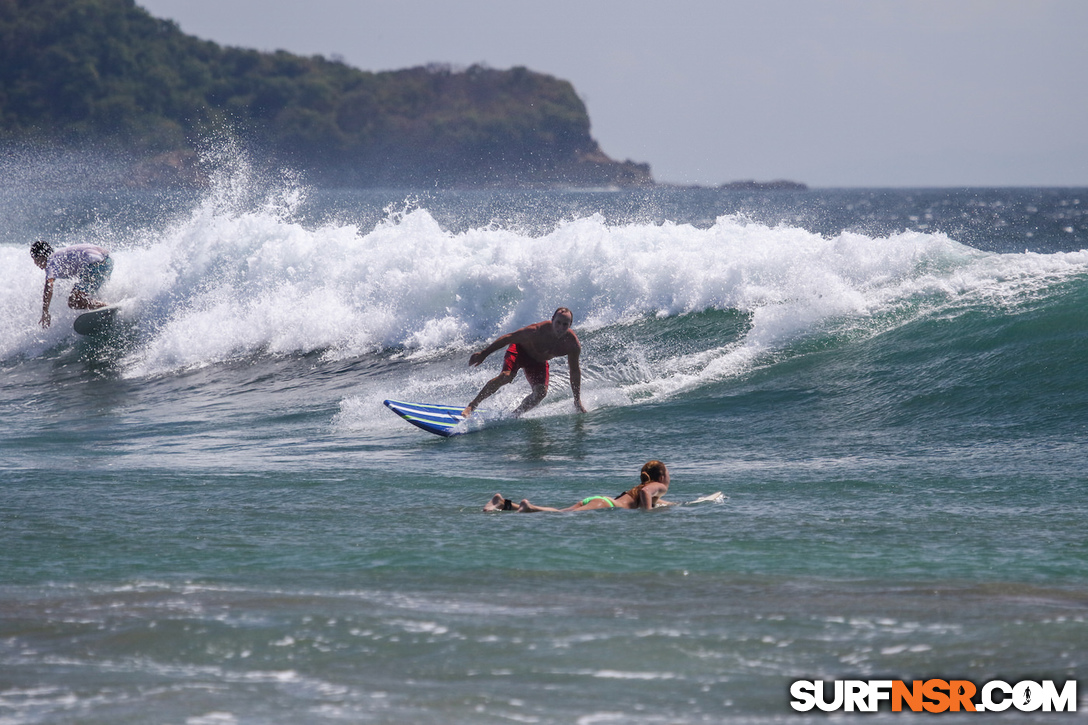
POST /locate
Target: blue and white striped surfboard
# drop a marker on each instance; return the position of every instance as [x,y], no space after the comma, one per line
[441,420]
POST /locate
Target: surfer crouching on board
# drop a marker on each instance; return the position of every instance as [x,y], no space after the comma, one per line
[653,484]
[530,349]
[90,264]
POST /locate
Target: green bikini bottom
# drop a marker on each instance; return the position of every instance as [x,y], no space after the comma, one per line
[603,498]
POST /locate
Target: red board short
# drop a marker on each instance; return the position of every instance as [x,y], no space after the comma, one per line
[536,372]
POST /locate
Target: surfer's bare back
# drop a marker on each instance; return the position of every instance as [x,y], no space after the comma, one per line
[529,349]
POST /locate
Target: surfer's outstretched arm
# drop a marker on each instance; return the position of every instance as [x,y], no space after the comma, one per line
[576,379]
[47,297]
[510,338]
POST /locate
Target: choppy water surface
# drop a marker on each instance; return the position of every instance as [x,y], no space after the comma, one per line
[209,517]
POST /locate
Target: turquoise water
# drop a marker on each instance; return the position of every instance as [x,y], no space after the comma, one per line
[209,517]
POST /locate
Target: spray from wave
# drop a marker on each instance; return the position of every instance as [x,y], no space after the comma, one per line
[245,274]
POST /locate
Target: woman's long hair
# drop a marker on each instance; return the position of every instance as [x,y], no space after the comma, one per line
[653,471]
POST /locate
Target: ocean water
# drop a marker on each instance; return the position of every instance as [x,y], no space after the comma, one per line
[208,516]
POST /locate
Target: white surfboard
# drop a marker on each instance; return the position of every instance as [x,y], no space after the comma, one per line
[96,321]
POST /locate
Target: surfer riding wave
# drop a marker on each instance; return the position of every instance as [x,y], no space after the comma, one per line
[529,349]
[89,264]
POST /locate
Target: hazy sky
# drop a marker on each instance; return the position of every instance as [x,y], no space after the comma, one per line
[827,92]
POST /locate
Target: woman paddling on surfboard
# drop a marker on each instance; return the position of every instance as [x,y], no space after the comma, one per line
[653,484]
[90,264]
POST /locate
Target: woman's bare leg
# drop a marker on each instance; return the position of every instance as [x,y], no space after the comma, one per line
[498,503]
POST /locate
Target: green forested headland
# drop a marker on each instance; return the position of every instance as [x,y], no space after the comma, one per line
[109,74]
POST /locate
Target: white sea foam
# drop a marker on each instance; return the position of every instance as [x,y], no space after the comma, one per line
[237,279]
[227,285]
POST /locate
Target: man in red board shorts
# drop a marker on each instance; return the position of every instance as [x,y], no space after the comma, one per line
[530,349]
